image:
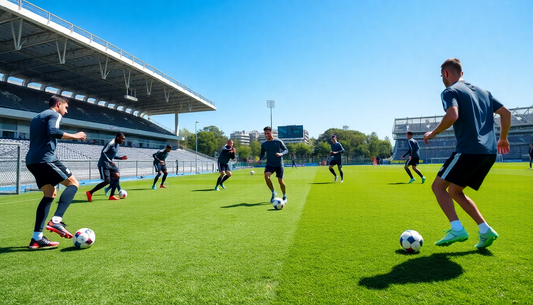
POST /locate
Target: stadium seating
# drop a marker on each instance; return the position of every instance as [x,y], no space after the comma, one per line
[27,99]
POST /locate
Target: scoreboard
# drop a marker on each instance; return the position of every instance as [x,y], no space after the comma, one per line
[290,131]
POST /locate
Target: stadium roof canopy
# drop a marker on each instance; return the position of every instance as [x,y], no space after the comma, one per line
[38,47]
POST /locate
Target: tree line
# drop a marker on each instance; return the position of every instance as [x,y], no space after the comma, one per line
[355,143]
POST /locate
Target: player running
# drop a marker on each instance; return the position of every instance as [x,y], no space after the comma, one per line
[336,157]
[227,153]
[470,110]
[274,149]
[414,157]
[160,165]
[108,170]
[49,171]
[293,159]
[530,154]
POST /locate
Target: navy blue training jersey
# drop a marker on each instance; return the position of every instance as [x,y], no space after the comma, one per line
[226,154]
[414,149]
[271,148]
[109,152]
[160,155]
[44,132]
[474,128]
[337,147]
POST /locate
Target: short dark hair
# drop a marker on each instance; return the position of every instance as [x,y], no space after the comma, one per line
[333,136]
[169,146]
[119,134]
[267,128]
[55,99]
[410,133]
[453,64]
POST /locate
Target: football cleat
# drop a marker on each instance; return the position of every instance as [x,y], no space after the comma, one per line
[59,228]
[336,177]
[162,186]
[487,239]
[273,196]
[113,198]
[412,180]
[106,190]
[153,187]
[453,236]
[222,185]
[423,180]
[89,196]
[43,243]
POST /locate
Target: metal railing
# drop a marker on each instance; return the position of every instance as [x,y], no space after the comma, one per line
[108,46]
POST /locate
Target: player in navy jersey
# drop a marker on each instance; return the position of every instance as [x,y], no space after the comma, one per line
[227,153]
[108,169]
[530,154]
[336,157]
[49,171]
[160,165]
[470,110]
[274,150]
[414,157]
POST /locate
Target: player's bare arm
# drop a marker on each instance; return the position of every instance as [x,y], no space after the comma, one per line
[76,136]
[505,123]
[452,114]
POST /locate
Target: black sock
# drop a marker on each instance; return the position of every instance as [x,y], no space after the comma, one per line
[42,213]
[224,179]
[418,172]
[113,184]
[218,180]
[157,178]
[333,172]
[409,173]
[163,179]
[99,186]
[342,174]
[65,200]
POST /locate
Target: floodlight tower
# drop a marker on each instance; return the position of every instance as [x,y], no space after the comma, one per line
[271,104]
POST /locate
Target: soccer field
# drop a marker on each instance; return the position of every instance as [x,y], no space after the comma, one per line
[332,244]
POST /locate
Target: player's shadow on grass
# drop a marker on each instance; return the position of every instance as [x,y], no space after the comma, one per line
[242,205]
[18,249]
[205,190]
[397,183]
[322,183]
[434,268]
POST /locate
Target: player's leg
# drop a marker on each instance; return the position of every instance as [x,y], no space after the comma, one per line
[165,174]
[530,160]
[406,167]
[157,167]
[219,179]
[445,201]
[269,183]
[56,224]
[226,177]
[331,164]
[339,166]
[415,169]
[115,178]
[105,175]
[279,174]
[156,178]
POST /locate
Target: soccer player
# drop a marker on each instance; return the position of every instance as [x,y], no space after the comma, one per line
[274,149]
[530,154]
[227,152]
[293,158]
[108,170]
[470,110]
[414,157]
[336,157]
[160,165]
[49,171]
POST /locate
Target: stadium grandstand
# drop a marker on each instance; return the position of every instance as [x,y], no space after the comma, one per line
[109,89]
[441,147]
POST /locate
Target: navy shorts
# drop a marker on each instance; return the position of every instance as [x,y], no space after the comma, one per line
[335,162]
[223,167]
[413,161]
[107,170]
[160,167]
[275,169]
[49,173]
[467,169]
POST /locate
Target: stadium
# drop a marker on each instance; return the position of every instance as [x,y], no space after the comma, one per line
[109,90]
[188,243]
[441,147]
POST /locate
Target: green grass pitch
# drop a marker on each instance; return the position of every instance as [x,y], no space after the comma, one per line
[331,244]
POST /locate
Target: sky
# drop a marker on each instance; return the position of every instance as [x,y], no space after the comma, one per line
[326,64]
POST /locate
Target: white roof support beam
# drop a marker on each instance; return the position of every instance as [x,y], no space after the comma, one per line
[17,37]
[62,56]
[149,86]
[104,72]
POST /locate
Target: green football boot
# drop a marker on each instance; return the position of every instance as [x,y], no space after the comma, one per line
[453,236]
[487,239]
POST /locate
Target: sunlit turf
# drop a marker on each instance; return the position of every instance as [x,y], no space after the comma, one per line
[332,244]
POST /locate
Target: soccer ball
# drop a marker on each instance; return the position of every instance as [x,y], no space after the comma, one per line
[122,194]
[411,241]
[278,203]
[84,238]
[252,173]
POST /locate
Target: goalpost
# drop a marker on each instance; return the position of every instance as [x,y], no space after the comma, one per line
[10,167]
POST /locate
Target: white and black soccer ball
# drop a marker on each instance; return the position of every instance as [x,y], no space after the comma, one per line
[278,203]
[252,173]
[84,238]
[122,194]
[411,241]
